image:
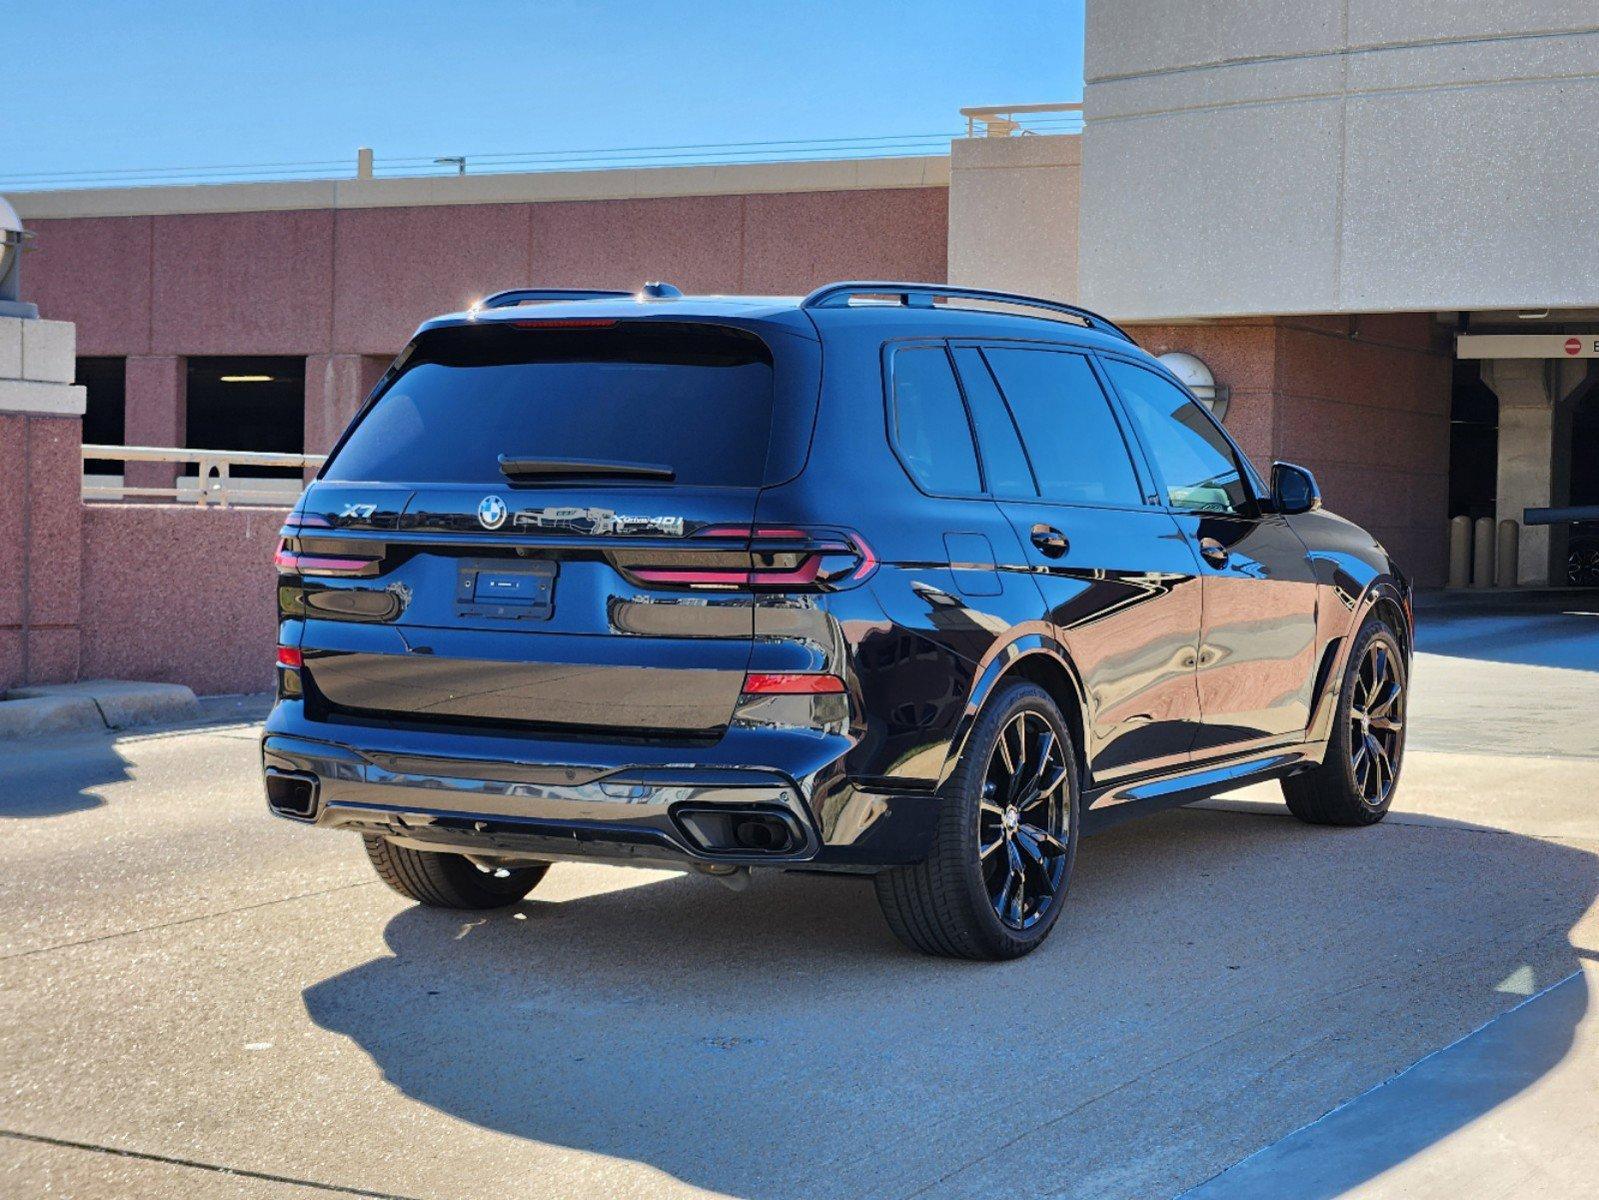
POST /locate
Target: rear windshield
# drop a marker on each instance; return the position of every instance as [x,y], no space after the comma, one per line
[696,399]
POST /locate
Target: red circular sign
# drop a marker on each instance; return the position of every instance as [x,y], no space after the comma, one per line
[1573,345]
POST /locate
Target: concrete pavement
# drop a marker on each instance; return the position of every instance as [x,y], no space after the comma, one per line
[186,980]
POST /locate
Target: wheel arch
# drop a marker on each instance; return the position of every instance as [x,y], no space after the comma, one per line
[1383,598]
[1038,659]
[1389,609]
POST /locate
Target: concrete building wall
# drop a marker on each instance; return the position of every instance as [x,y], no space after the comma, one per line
[351,267]
[1362,401]
[1013,213]
[342,273]
[359,282]
[193,604]
[1319,156]
[40,517]
[339,275]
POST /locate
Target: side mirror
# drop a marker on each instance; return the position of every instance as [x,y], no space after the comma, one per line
[1293,489]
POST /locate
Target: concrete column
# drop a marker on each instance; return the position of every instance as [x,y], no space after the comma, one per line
[335,386]
[155,414]
[1013,214]
[1534,433]
[41,521]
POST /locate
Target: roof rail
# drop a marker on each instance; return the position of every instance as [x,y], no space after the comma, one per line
[922,295]
[515,296]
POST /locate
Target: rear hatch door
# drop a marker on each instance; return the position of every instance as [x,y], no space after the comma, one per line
[561,482]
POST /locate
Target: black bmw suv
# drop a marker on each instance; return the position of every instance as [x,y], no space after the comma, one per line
[906,580]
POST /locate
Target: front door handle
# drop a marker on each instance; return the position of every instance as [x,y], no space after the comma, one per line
[1050,541]
[1213,551]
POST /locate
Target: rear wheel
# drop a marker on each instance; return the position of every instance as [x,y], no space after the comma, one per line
[996,877]
[1355,783]
[442,880]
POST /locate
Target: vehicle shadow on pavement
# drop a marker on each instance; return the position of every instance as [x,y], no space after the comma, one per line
[59,778]
[1218,979]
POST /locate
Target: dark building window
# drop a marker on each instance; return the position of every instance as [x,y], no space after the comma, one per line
[247,404]
[104,416]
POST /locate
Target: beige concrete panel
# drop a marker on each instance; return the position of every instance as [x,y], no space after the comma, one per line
[1128,36]
[1250,82]
[1013,205]
[1380,21]
[189,198]
[1432,219]
[1212,213]
[1036,150]
[48,399]
[508,188]
[48,350]
[1476,61]
[11,347]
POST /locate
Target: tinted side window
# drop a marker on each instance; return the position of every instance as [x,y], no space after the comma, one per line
[1004,460]
[1197,467]
[1072,438]
[929,422]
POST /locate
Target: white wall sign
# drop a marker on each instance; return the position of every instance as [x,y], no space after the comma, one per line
[1527,345]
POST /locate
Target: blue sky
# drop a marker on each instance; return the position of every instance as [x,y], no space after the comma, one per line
[100,86]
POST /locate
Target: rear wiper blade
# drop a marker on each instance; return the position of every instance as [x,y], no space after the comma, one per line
[516,467]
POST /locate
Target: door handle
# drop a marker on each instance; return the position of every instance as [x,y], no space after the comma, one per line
[1213,551]
[1050,541]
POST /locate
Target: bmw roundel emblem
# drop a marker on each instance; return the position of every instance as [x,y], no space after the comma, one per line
[491,512]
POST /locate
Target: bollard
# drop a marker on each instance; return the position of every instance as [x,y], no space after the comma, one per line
[1508,554]
[1460,551]
[1482,553]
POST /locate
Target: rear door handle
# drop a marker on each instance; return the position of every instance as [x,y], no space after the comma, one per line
[1050,541]
[1214,552]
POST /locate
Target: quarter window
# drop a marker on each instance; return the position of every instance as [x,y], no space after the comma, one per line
[1004,460]
[1072,438]
[930,426]
[1198,468]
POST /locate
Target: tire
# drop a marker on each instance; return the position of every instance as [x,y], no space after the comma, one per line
[441,880]
[1340,791]
[947,904]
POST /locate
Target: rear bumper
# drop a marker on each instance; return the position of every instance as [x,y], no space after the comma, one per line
[646,805]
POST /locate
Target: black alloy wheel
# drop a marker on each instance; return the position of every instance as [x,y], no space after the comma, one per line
[996,875]
[1376,724]
[1021,821]
[1354,784]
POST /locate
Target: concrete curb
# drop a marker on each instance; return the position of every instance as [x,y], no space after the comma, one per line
[39,711]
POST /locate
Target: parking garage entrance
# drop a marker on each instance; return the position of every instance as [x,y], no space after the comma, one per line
[1524,434]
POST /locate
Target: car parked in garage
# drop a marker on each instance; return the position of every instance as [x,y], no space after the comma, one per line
[906,580]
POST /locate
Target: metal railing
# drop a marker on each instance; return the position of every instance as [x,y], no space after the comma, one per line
[1004,120]
[213,484]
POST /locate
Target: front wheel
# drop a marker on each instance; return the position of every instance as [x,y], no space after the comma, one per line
[442,880]
[1355,783]
[996,877]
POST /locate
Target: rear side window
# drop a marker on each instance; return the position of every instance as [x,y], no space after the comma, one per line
[1197,466]
[930,425]
[1072,438]
[694,398]
[1004,460]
